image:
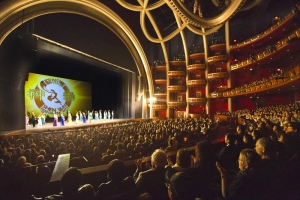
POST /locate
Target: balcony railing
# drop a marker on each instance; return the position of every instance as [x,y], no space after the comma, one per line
[218,75]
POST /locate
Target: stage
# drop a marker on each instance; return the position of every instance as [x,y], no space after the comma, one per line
[48,127]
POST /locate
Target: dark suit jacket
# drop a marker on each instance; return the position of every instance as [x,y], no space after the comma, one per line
[152,181]
[113,188]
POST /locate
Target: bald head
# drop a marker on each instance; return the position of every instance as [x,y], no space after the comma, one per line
[265,147]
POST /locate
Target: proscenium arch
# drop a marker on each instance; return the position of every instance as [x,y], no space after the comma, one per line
[14,13]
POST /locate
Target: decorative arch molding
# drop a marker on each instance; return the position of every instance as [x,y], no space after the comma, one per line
[14,13]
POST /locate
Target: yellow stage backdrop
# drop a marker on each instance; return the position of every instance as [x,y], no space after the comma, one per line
[50,94]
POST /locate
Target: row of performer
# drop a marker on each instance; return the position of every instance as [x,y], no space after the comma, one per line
[81,117]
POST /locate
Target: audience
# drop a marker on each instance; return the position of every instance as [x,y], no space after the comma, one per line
[273,130]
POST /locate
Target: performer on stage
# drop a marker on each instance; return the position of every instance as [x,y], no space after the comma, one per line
[62,119]
[43,118]
[96,116]
[26,120]
[90,116]
[77,118]
[40,120]
[112,114]
[100,114]
[105,114]
[69,118]
[55,117]
[33,118]
[80,116]
[108,114]
[83,118]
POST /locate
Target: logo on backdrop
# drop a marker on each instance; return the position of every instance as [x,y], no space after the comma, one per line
[52,95]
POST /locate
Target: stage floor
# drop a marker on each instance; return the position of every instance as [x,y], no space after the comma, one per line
[49,127]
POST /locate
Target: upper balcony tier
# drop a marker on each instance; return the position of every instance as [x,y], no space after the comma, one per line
[158,94]
[280,83]
[177,104]
[192,83]
[218,47]
[160,81]
[176,73]
[178,63]
[197,56]
[158,106]
[160,68]
[197,101]
[218,75]
[217,60]
[280,49]
[196,67]
[281,27]
[177,88]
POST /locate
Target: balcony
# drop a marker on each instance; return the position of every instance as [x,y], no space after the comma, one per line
[178,63]
[158,106]
[196,67]
[193,101]
[218,75]
[177,88]
[217,60]
[160,94]
[160,81]
[197,56]
[161,68]
[196,82]
[176,73]
[177,104]
[218,47]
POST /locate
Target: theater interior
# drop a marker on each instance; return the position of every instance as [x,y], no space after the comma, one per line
[187,65]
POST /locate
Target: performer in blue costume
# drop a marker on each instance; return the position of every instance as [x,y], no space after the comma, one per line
[62,119]
[90,116]
[83,118]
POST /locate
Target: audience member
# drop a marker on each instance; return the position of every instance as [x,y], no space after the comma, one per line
[246,184]
[152,181]
[117,184]
[70,183]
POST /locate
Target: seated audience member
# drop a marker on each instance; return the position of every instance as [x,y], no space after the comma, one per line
[179,186]
[4,180]
[228,154]
[248,141]
[246,184]
[289,143]
[87,192]
[183,161]
[70,183]
[118,184]
[256,134]
[43,175]
[152,181]
[96,158]
[271,167]
[22,162]
[205,169]
[172,146]
[119,153]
